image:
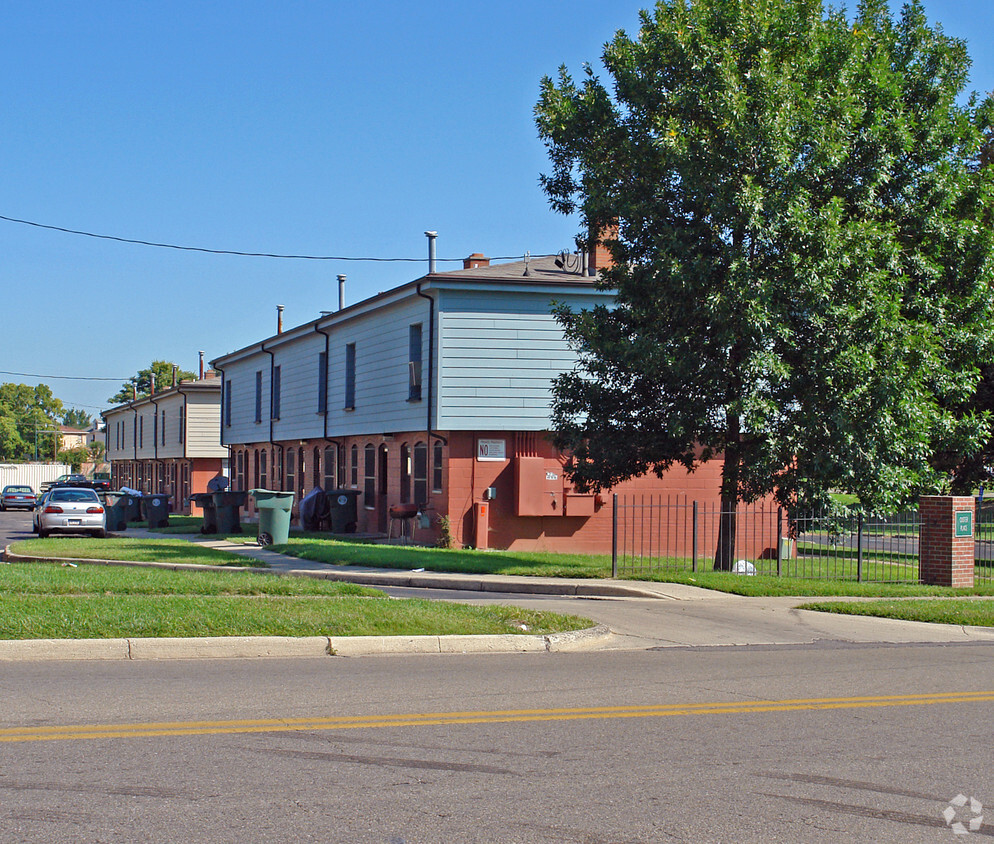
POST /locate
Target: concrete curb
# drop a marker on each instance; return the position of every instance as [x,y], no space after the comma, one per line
[262,647]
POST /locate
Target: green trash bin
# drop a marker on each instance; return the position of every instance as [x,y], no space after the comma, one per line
[116,510]
[155,506]
[344,510]
[274,515]
[227,505]
[205,501]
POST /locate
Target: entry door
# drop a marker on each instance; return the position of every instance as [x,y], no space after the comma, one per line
[382,485]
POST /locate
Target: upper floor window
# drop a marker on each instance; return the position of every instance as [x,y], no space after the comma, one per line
[227,405]
[277,390]
[414,363]
[162,428]
[181,427]
[322,382]
[420,474]
[436,467]
[354,467]
[330,455]
[258,395]
[369,478]
[350,376]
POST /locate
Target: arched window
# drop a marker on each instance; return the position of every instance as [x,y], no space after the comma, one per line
[291,474]
[354,467]
[316,468]
[263,469]
[405,473]
[436,467]
[369,477]
[420,474]
[301,474]
[330,474]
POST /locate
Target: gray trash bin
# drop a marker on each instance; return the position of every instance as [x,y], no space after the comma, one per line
[344,507]
[274,515]
[116,510]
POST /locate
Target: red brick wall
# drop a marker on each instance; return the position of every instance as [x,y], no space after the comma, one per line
[469,478]
[945,559]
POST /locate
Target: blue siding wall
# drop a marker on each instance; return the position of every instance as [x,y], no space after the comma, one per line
[499,354]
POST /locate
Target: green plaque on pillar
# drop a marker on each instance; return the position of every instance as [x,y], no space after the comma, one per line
[964,523]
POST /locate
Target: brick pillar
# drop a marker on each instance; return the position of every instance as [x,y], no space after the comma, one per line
[945,541]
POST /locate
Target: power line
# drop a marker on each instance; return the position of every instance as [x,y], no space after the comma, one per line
[244,254]
[62,377]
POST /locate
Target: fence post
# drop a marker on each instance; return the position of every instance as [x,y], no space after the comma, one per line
[779,538]
[694,540]
[859,547]
[614,536]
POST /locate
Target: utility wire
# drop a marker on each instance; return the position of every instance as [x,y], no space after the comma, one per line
[245,254]
[61,377]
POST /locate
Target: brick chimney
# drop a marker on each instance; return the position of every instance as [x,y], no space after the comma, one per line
[599,256]
[475,260]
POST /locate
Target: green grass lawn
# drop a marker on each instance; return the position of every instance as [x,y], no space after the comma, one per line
[971,612]
[41,600]
[124,548]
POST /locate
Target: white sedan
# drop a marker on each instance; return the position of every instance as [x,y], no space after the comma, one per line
[70,510]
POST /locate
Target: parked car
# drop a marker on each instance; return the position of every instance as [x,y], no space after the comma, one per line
[63,480]
[70,510]
[15,496]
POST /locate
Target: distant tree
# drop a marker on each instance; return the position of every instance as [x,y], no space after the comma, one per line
[29,418]
[75,457]
[142,382]
[96,449]
[802,260]
[76,418]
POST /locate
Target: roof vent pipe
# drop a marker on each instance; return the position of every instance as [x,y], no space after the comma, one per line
[341,291]
[279,319]
[175,370]
[201,365]
[431,251]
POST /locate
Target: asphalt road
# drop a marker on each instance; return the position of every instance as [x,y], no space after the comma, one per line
[813,743]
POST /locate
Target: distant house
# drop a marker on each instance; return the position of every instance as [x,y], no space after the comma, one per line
[70,438]
[434,398]
[169,442]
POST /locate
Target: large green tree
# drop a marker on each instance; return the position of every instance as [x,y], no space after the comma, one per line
[803,277]
[161,371]
[29,419]
[76,418]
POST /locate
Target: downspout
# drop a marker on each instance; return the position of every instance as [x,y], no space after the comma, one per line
[272,407]
[327,342]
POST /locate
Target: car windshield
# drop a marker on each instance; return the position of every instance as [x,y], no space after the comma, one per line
[73,495]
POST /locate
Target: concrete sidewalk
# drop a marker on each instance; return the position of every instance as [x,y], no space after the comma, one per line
[629,614]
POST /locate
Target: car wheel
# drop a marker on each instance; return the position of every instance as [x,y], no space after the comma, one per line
[43,533]
[99,534]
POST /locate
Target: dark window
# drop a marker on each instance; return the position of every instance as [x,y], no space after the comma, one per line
[329,467]
[255,475]
[350,376]
[258,395]
[291,464]
[182,424]
[227,405]
[420,474]
[141,432]
[405,473]
[322,382]
[263,470]
[354,468]
[162,432]
[369,478]
[316,468]
[436,467]
[276,391]
[414,363]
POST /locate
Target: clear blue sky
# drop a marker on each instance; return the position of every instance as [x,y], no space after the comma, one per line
[321,128]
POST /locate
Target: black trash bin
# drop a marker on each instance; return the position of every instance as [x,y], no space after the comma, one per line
[205,501]
[226,506]
[155,506]
[132,505]
[344,510]
[116,510]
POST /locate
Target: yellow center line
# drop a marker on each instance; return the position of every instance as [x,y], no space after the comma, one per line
[354,722]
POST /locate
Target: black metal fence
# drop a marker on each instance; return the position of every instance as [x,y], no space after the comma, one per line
[654,533]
